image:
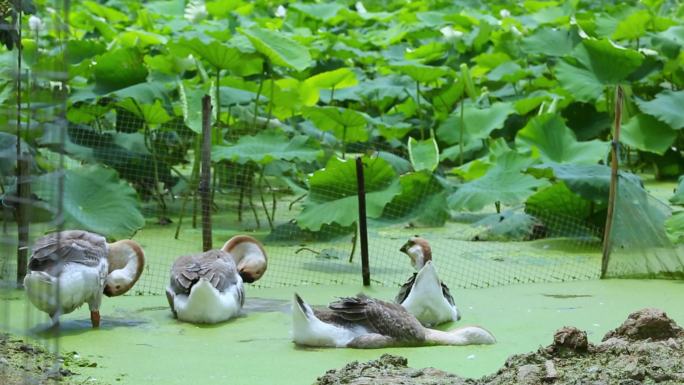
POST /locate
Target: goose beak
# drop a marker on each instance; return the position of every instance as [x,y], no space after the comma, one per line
[404,248]
[246,276]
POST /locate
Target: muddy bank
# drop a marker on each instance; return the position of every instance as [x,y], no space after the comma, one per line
[22,363]
[648,348]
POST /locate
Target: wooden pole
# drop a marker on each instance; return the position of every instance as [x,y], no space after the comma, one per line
[22,202]
[23,192]
[363,228]
[612,194]
[205,174]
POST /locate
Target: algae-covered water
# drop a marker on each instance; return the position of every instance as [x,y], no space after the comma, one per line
[140,343]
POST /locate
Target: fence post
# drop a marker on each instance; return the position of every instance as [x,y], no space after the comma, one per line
[23,199]
[205,173]
[363,228]
[612,194]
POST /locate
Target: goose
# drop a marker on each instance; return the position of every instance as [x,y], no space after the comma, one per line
[208,287]
[423,294]
[73,267]
[368,323]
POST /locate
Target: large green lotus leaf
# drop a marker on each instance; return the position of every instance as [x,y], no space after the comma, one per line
[110,14]
[422,201]
[333,192]
[191,104]
[550,42]
[324,12]
[222,56]
[422,73]
[646,133]
[266,147]
[599,63]
[590,181]
[666,106]
[428,52]
[119,68]
[502,183]
[424,154]
[478,122]
[280,49]
[346,124]
[150,113]
[555,142]
[337,79]
[633,26]
[80,50]
[506,226]
[557,199]
[95,199]
[678,198]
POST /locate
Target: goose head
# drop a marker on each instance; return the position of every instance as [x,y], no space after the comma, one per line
[249,256]
[418,249]
[126,263]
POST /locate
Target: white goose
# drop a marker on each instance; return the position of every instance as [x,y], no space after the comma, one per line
[208,287]
[424,295]
[363,322]
[70,268]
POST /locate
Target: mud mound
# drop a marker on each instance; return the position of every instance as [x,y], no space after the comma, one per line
[22,363]
[646,349]
[386,370]
[647,323]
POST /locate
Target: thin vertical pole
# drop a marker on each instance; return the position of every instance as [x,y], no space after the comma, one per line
[612,194]
[23,200]
[363,228]
[22,173]
[205,173]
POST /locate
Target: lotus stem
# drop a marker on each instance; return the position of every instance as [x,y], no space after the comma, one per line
[263,201]
[344,142]
[353,250]
[299,198]
[419,115]
[256,103]
[460,134]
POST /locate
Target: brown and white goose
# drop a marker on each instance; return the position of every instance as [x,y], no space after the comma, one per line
[208,287]
[80,266]
[423,294]
[363,322]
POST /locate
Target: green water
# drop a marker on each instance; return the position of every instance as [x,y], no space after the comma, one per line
[140,343]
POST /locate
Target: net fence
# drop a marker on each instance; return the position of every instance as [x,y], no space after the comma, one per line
[158,167]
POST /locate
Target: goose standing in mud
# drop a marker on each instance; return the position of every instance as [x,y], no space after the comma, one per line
[73,267]
[367,323]
[208,287]
[424,295]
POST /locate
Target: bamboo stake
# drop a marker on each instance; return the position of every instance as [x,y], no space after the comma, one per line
[363,228]
[205,174]
[612,194]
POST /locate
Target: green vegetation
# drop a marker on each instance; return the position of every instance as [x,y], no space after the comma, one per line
[452,106]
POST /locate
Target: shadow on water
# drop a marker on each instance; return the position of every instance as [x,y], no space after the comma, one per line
[266,305]
[567,296]
[82,326]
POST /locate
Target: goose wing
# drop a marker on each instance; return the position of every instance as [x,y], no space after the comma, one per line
[405,289]
[72,246]
[447,294]
[216,266]
[385,318]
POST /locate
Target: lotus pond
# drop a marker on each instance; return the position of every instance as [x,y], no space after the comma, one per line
[140,342]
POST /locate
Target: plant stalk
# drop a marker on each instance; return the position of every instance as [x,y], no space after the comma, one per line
[612,194]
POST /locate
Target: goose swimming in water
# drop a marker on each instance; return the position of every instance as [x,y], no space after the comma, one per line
[73,267]
[424,295]
[208,287]
[367,323]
